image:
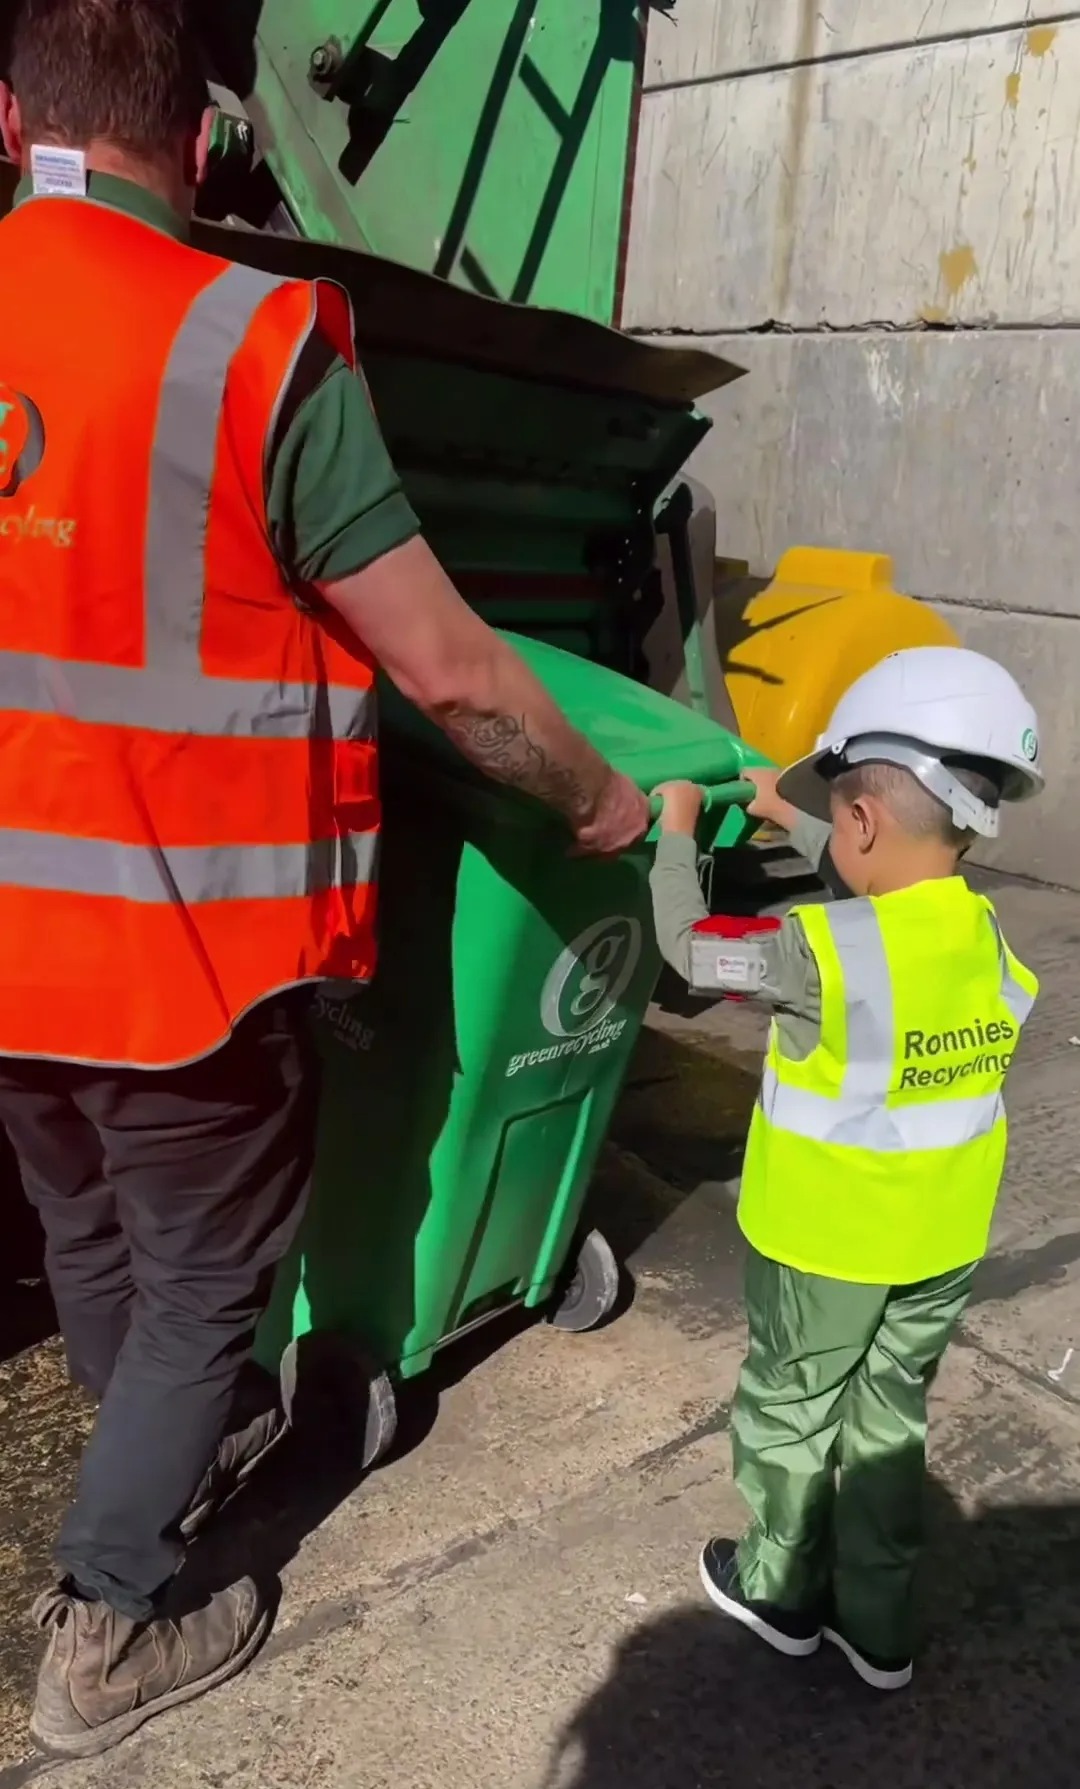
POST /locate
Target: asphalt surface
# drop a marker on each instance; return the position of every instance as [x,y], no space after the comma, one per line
[512,1599]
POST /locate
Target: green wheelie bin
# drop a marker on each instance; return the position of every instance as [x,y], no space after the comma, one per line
[467,1092]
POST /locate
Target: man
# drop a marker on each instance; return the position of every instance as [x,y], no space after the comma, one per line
[204,553]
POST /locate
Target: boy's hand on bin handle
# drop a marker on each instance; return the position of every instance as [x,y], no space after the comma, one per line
[767,804]
[681,806]
[618,819]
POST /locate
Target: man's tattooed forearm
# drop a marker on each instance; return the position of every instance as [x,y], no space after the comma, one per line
[499,745]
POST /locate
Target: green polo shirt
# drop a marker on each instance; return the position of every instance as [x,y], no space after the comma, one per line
[333,499]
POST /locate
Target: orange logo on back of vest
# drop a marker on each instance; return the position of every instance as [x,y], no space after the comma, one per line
[22,439]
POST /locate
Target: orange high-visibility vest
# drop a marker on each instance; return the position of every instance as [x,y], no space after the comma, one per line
[189,806]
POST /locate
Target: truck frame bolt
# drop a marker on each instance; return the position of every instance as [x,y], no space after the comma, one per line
[323,61]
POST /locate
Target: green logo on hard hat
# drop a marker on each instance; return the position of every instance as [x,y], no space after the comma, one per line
[1029,745]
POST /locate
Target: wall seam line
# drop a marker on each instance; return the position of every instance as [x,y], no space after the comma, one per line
[860,54]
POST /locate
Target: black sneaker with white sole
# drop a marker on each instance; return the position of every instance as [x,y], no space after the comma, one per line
[787,1630]
[879,1673]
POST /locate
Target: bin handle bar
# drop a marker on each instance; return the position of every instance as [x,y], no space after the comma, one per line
[734,794]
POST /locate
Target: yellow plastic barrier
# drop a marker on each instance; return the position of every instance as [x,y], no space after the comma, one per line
[827,617]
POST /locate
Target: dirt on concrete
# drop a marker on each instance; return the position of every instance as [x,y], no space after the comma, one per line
[43,1423]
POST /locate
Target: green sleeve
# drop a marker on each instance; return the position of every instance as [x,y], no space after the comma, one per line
[334,501]
[678,902]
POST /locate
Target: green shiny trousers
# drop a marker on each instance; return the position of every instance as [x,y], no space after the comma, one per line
[829,1438]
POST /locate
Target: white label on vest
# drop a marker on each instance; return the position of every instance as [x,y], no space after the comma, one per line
[55,170]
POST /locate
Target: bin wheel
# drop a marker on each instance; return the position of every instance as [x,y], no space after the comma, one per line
[592,1289]
[326,1377]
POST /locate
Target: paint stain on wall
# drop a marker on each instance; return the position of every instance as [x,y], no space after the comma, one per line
[1038,42]
[1040,39]
[958,265]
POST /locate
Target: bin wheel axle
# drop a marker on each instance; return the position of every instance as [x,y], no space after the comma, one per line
[592,1289]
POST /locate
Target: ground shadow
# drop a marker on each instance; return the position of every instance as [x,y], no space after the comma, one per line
[318,1467]
[685,1112]
[693,1701]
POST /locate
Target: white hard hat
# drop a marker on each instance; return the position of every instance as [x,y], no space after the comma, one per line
[920,708]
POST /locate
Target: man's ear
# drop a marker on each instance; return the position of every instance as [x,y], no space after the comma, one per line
[202,145]
[11,124]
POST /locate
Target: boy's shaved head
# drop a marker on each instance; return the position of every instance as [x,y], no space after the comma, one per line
[919,814]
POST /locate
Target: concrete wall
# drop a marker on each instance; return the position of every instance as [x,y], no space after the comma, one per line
[874,206]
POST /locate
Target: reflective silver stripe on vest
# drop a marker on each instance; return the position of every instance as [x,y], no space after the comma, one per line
[1014,994]
[932,1124]
[185,873]
[859,1116]
[173,694]
[868,1001]
[216,707]
[182,465]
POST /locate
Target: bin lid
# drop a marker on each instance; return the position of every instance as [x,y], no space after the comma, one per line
[646,735]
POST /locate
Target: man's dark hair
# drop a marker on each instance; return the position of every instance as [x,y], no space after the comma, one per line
[127,72]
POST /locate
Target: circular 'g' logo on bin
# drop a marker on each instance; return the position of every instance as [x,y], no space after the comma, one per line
[590,976]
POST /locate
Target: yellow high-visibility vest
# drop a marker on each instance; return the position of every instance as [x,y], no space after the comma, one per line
[879,1157]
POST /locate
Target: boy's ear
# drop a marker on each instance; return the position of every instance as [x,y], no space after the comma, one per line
[866,821]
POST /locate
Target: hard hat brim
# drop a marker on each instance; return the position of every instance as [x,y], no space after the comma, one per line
[804,786]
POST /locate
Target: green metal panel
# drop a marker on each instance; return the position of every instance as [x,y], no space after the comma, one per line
[483,140]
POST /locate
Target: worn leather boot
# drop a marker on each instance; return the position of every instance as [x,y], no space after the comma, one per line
[103,1674]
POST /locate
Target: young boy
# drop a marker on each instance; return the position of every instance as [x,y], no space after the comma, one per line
[877,1143]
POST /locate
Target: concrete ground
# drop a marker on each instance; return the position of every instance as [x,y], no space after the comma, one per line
[512,1602]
